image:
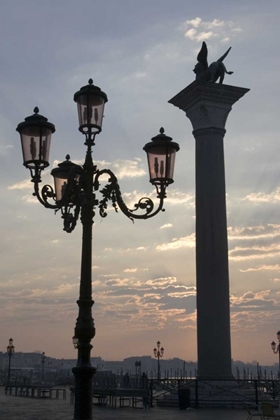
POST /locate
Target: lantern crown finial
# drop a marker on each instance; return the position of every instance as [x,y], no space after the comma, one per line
[36,110]
[161,137]
[90,81]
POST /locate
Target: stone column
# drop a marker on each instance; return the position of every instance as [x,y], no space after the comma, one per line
[207,105]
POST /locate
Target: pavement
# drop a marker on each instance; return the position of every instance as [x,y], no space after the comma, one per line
[22,408]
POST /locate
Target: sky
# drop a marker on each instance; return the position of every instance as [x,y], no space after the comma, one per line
[144,282]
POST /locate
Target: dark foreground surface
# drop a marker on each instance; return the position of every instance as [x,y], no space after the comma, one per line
[21,408]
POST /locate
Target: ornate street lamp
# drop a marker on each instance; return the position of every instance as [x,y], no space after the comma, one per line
[43,358]
[10,351]
[158,353]
[74,195]
[276,349]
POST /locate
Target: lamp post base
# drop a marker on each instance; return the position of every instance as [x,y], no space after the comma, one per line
[83,392]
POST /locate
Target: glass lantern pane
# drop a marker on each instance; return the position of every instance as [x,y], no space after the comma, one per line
[161,162]
[60,187]
[90,111]
[60,184]
[36,143]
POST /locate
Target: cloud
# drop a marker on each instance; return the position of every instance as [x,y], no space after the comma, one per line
[45,293]
[254,242]
[254,252]
[163,298]
[191,33]
[184,242]
[166,226]
[22,185]
[64,288]
[122,168]
[254,232]
[121,301]
[199,30]
[153,298]
[261,197]
[127,169]
[118,282]
[176,197]
[254,310]
[162,281]
[4,150]
[191,291]
[130,270]
[108,275]
[30,199]
[262,268]
[215,23]
[140,75]
[188,321]
[194,22]
[205,35]
[170,52]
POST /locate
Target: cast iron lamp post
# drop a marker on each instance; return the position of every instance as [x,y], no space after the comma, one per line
[10,351]
[43,358]
[276,349]
[74,195]
[158,353]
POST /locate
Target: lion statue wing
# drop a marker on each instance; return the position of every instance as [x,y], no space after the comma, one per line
[202,56]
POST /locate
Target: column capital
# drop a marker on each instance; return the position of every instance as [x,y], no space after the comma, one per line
[207,104]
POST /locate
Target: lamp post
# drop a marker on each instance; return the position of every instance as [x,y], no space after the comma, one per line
[74,195]
[276,349]
[137,368]
[10,351]
[158,353]
[43,358]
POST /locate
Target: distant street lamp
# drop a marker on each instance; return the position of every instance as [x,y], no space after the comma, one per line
[10,351]
[43,358]
[137,368]
[276,349]
[158,353]
[74,195]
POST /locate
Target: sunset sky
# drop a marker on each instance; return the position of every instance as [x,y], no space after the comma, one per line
[141,53]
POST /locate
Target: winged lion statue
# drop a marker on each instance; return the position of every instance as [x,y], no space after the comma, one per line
[215,71]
